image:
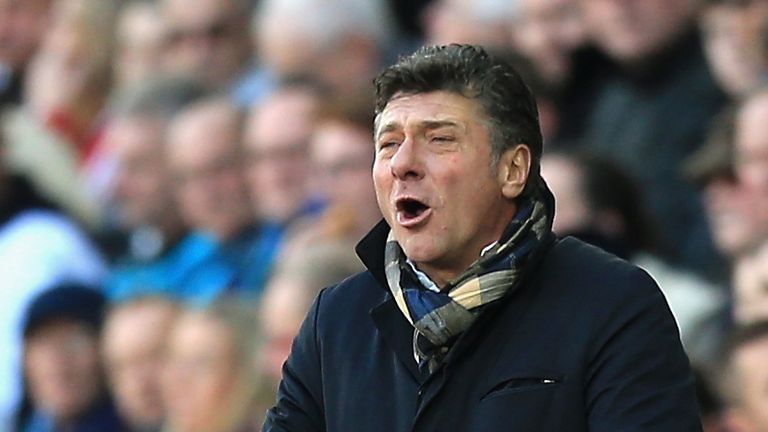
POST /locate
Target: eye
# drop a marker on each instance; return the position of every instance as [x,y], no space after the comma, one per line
[387,144]
[442,138]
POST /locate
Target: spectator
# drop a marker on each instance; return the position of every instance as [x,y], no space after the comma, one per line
[50,164]
[39,248]
[141,37]
[480,22]
[133,344]
[276,139]
[341,43]
[735,225]
[732,33]
[142,192]
[22,27]
[549,32]
[228,251]
[210,384]
[751,151]
[746,374]
[598,203]
[211,43]
[61,362]
[341,152]
[290,293]
[658,73]
[70,77]
[750,277]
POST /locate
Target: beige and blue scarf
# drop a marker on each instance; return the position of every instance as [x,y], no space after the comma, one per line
[439,317]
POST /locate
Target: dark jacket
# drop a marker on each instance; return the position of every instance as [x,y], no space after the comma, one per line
[586,344]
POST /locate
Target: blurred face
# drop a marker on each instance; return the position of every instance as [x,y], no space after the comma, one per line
[730,50]
[752,145]
[209,41]
[730,211]
[434,181]
[61,363]
[201,374]
[750,363]
[133,347]
[457,21]
[141,34]
[342,155]
[204,157]
[276,140]
[141,186]
[564,180]
[547,31]
[282,312]
[22,26]
[750,284]
[632,30]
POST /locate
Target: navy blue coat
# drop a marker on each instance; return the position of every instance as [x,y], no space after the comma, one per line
[586,344]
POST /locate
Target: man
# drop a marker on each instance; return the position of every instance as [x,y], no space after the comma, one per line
[133,346]
[276,137]
[339,43]
[227,252]
[40,247]
[751,150]
[341,154]
[655,71]
[211,44]
[62,365]
[471,316]
[746,378]
[22,26]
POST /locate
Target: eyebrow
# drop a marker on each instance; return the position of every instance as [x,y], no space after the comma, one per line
[426,125]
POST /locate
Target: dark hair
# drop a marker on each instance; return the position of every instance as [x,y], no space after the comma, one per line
[746,334]
[472,72]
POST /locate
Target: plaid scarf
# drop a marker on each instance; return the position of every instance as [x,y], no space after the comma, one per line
[439,317]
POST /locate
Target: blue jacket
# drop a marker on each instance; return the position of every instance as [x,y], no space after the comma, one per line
[586,344]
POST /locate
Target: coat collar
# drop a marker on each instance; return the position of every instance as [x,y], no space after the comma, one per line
[371,252]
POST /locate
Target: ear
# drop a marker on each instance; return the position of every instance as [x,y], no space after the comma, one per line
[513,170]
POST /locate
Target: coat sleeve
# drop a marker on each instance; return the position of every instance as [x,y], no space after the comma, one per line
[638,377]
[299,405]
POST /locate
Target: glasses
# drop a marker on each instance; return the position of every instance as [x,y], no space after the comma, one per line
[214,31]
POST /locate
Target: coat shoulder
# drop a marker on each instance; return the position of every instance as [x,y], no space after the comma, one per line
[591,270]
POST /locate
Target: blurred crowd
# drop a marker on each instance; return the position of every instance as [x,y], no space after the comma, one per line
[179,179]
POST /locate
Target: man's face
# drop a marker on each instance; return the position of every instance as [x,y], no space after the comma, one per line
[276,140]
[134,343]
[201,373]
[631,30]
[434,181]
[342,155]
[730,49]
[730,211]
[141,186]
[22,26]
[548,31]
[281,313]
[750,286]
[752,145]
[209,41]
[61,364]
[750,363]
[205,161]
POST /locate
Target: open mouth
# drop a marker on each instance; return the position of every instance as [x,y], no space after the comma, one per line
[411,212]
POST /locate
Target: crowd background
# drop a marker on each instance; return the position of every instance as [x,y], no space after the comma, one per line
[179,179]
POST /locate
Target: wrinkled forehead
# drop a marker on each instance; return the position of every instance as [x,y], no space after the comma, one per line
[434,108]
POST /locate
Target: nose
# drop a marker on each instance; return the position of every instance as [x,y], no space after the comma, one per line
[406,163]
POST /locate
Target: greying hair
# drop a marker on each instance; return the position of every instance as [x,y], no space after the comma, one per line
[472,72]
